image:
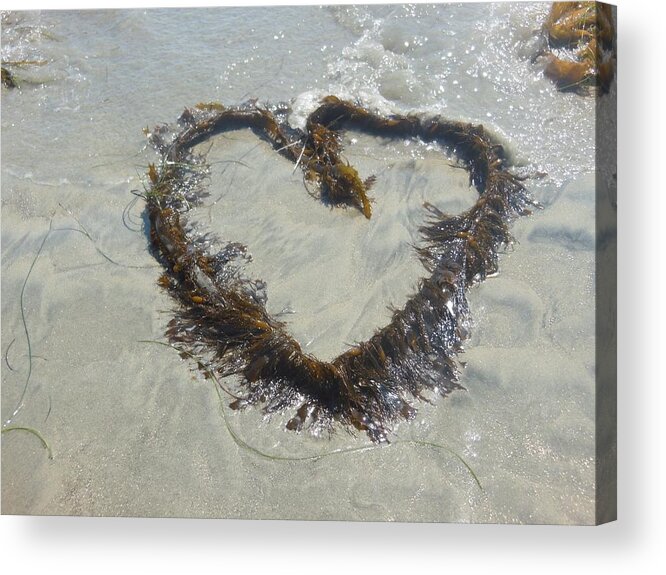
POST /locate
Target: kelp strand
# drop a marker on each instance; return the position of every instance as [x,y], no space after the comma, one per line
[580,48]
[222,315]
[33,432]
[24,322]
[7,425]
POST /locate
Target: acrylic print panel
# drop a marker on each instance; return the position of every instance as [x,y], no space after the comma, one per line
[339,262]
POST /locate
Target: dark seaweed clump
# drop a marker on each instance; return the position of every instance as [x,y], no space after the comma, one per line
[8,80]
[581,46]
[222,316]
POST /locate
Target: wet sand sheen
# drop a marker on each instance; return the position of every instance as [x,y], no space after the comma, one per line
[334,273]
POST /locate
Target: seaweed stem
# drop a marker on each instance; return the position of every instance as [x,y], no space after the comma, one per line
[126,216]
[300,157]
[341,451]
[19,405]
[31,356]
[82,230]
[191,356]
[33,432]
[7,354]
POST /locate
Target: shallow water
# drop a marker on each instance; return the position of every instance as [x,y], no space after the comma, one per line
[134,431]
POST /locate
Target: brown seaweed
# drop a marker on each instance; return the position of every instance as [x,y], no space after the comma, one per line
[8,80]
[581,51]
[222,316]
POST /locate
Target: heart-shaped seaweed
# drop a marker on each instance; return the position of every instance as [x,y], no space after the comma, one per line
[222,315]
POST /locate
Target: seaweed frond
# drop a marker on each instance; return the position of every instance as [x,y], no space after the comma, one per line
[581,51]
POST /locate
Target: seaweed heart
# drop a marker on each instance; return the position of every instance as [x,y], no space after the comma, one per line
[223,321]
